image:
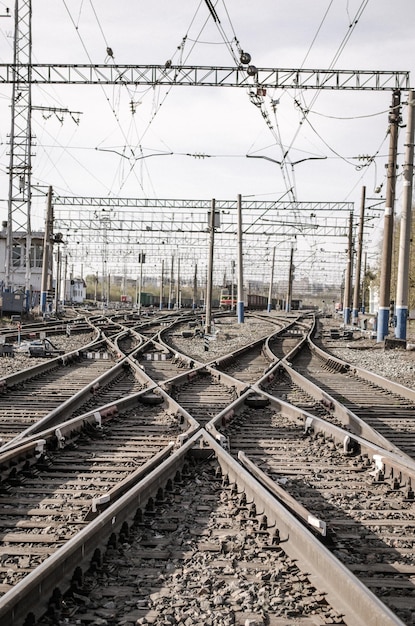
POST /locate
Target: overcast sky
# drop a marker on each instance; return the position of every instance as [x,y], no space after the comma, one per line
[193,142]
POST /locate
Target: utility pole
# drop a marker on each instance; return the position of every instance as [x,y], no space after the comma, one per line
[364,285]
[47,245]
[141,258]
[271,282]
[348,274]
[240,303]
[65,280]
[208,321]
[57,279]
[356,292]
[194,305]
[402,287]
[161,284]
[290,281]
[232,285]
[386,261]
[169,305]
[178,284]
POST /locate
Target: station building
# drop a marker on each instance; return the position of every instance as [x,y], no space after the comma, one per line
[18,268]
[15,299]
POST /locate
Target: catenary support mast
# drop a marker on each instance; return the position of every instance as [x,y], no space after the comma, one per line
[386,261]
[402,289]
[357,283]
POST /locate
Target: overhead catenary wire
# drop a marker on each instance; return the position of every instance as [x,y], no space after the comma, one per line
[115,114]
[351,28]
[307,110]
[180,49]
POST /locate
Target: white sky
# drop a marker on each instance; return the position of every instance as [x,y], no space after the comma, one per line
[84,159]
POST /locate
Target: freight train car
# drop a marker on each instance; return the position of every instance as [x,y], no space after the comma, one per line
[255,302]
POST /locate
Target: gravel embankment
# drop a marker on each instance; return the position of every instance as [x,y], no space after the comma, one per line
[397,364]
[229,336]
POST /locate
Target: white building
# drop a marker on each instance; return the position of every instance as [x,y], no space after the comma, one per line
[75,291]
[17,278]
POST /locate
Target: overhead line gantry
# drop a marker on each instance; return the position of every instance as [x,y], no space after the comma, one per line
[205,76]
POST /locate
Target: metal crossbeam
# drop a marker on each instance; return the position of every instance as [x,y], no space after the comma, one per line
[208,76]
[221,205]
[156,220]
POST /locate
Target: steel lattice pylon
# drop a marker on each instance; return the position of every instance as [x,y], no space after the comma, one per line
[19,201]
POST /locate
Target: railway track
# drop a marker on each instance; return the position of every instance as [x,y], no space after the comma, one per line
[203,393]
[198,539]
[62,387]
[160,363]
[334,477]
[72,383]
[191,567]
[384,406]
[188,337]
[68,473]
[364,503]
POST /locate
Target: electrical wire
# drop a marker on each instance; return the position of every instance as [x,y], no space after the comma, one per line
[69,151]
[352,26]
[352,117]
[116,116]
[285,151]
[317,33]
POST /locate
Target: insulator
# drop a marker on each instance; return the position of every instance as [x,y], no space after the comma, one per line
[245,58]
[252,70]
